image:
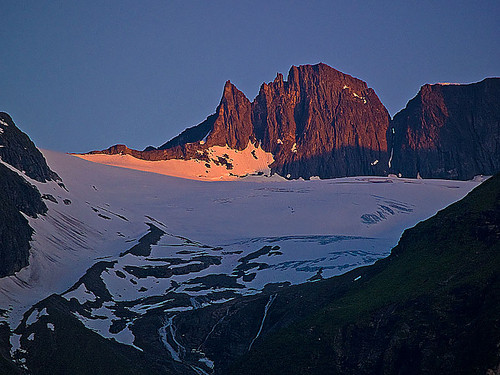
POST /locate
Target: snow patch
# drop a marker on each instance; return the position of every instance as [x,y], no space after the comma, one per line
[266,309]
[167,337]
[238,163]
[209,363]
[81,294]
[359,97]
[15,342]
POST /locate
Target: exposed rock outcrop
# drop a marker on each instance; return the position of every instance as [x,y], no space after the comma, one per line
[16,196]
[448,131]
[320,122]
[17,149]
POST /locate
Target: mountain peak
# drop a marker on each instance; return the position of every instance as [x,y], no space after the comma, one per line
[17,149]
[322,122]
[449,131]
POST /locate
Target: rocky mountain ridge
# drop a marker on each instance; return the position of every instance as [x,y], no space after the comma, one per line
[448,131]
[17,149]
[321,122]
[17,195]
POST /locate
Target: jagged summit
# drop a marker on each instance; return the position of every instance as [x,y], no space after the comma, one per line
[319,122]
[322,122]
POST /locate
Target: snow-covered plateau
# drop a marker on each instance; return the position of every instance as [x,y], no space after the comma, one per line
[120,242]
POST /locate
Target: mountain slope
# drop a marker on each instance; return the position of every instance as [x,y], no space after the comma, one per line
[448,131]
[127,253]
[150,275]
[432,306]
[20,152]
[18,196]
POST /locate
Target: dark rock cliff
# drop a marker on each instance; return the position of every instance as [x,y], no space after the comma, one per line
[448,131]
[19,151]
[16,196]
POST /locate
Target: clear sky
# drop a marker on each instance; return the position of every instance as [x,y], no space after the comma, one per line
[84,75]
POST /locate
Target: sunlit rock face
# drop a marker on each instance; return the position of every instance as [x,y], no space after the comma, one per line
[320,122]
[448,131]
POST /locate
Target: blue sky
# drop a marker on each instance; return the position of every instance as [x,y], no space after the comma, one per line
[83,75]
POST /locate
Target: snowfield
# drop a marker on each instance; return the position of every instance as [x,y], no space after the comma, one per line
[222,164]
[158,241]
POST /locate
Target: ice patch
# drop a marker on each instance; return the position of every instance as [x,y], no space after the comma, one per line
[266,309]
[81,294]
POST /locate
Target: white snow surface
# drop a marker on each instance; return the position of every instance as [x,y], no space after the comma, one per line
[316,227]
[250,160]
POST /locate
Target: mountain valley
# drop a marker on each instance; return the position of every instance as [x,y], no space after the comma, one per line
[305,232]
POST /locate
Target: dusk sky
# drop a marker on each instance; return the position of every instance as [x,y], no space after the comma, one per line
[79,75]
